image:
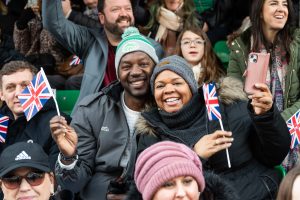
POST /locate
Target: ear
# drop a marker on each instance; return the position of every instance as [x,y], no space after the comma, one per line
[101,17]
[1,95]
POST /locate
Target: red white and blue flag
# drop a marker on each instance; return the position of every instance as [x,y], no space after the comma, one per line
[211,101]
[293,125]
[35,95]
[3,128]
[75,60]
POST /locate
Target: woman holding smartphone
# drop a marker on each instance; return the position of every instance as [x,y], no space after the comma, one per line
[271,32]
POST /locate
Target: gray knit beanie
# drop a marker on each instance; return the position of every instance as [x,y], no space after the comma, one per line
[133,41]
[178,65]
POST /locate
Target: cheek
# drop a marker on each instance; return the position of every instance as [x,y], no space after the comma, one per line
[9,194]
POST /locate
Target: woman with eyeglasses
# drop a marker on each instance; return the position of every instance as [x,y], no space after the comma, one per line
[194,46]
[25,173]
[272,32]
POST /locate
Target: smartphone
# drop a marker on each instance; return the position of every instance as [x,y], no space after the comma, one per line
[256,72]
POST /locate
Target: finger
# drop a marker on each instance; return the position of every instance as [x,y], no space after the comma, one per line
[262,86]
[219,133]
[223,140]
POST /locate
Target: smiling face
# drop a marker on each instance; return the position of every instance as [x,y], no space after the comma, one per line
[27,192]
[135,70]
[183,187]
[274,15]
[171,91]
[192,47]
[117,16]
[172,5]
[12,85]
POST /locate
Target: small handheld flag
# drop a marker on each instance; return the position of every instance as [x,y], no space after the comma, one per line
[35,95]
[75,60]
[3,128]
[213,108]
[293,125]
[211,101]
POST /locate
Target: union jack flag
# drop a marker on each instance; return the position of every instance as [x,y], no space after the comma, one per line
[35,95]
[211,101]
[75,60]
[294,127]
[3,128]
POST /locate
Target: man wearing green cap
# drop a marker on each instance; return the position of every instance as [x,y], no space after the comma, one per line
[96,47]
[96,149]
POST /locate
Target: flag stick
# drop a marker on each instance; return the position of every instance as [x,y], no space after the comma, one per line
[227,153]
[51,92]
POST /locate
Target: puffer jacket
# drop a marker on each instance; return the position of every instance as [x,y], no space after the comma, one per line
[216,188]
[239,50]
[260,142]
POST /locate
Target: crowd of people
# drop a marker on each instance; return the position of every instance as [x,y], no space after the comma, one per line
[143,126]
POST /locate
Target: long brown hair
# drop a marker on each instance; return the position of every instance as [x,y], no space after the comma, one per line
[286,186]
[212,68]
[283,35]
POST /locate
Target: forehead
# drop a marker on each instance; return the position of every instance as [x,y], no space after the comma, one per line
[119,3]
[135,56]
[17,77]
[190,34]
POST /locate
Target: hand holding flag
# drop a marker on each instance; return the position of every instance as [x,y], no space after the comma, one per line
[213,108]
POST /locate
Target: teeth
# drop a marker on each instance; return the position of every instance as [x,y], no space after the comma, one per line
[171,99]
[279,17]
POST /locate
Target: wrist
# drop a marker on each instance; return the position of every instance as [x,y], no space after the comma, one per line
[67,159]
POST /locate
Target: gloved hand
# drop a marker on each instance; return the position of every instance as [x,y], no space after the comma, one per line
[25,17]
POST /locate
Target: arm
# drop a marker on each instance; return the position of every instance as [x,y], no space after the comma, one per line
[76,177]
[234,69]
[73,37]
[270,140]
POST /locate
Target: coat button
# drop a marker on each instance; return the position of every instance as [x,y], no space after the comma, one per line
[237,51]
[232,43]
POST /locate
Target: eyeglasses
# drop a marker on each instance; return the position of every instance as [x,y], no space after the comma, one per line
[33,178]
[188,43]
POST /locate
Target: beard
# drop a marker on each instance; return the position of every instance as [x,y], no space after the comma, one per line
[114,28]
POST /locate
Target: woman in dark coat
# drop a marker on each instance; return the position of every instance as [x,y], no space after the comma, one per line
[256,135]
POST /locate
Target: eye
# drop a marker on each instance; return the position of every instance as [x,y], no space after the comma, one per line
[185,42]
[188,180]
[199,42]
[144,64]
[159,86]
[168,184]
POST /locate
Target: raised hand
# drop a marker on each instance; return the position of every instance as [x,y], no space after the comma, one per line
[210,144]
[262,101]
[64,136]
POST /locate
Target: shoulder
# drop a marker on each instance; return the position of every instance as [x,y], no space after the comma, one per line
[231,90]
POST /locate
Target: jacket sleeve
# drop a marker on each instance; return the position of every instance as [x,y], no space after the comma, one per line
[270,140]
[74,37]
[81,19]
[76,178]
[234,69]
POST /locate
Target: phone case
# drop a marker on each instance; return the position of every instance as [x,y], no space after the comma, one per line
[258,64]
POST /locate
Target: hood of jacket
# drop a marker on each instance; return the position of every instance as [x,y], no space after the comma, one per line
[230,90]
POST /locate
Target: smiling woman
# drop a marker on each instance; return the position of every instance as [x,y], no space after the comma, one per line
[273,32]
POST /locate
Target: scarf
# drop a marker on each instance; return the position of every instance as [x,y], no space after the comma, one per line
[197,69]
[277,75]
[186,126]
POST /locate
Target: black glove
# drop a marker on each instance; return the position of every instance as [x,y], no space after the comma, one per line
[25,17]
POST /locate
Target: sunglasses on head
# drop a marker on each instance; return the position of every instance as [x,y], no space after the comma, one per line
[14,181]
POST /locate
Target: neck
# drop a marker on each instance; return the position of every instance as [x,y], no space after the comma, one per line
[270,35]
[134,103]
[113,39]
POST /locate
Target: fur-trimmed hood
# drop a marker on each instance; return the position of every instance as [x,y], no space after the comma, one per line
[216,188]
[229,89]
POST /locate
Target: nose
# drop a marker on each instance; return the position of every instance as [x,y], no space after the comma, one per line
[169,88]
[180,191]
[136,71]
[19,89]
[25,186]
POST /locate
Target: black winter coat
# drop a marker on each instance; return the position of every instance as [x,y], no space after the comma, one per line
[260,141]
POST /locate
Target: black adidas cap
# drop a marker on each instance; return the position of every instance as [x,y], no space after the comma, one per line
[23,154]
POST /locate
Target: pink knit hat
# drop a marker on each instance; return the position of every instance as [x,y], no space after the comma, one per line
[164,161]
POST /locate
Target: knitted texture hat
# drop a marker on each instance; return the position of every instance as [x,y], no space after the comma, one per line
[178,65]
[162,162]
[133,41]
